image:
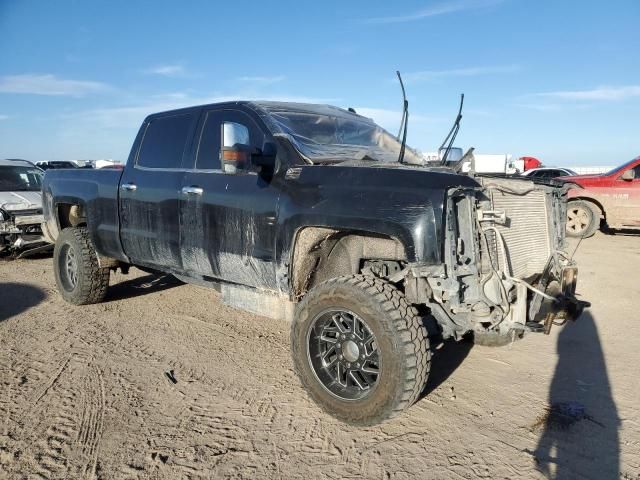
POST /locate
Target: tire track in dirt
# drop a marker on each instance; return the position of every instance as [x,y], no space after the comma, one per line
[63,424]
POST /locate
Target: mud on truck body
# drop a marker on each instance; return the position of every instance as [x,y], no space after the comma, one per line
[303,212]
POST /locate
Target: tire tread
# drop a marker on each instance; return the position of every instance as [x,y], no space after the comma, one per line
[93,288]
[407,328]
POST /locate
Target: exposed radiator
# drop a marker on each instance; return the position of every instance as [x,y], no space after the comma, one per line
[525,232]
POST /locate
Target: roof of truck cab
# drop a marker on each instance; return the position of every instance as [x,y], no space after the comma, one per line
[270,107]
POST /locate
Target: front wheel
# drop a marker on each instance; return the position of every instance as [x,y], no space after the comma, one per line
[79,278]
[582,219]
[360,349]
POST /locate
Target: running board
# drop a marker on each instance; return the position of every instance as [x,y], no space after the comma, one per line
[259,302]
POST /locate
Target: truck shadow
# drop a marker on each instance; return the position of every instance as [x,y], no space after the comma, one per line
[150,283]
[444,362]
[17,298]
[579,430]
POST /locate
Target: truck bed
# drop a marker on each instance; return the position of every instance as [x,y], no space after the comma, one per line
[97,192]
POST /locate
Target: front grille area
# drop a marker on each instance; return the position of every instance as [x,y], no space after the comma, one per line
[525,229]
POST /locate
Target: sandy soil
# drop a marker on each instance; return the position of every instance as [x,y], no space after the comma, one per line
[84,394]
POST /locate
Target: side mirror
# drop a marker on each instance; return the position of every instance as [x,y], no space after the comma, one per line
[628,175]
[236,151]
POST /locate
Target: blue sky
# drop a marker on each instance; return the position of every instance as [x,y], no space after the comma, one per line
[555,79]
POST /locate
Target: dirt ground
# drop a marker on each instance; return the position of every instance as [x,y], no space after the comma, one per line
[84,394]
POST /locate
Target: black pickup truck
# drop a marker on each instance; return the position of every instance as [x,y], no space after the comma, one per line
[304,212]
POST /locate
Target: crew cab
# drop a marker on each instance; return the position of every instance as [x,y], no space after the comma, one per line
[612,198]
[317,215]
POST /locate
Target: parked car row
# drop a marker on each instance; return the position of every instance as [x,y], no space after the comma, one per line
[50,165]
[548,172]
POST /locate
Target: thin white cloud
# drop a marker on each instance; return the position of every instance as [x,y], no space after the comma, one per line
[130,116]
[4,117]
[48,84]
[460,72]
[263,80]
[540,107]
[171,70]
[390,119]
[600,94]
[435,10]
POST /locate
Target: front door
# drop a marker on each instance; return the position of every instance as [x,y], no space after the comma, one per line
[626,199]
[228,212]
[150,193]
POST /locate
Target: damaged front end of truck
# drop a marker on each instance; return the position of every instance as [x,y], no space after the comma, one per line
[21,233]
[21,209]
[506,270]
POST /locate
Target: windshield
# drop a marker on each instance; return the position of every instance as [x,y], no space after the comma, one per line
[621,167]
[20,179]
[329,134]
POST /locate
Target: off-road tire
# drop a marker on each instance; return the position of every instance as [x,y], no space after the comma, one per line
[589,210]
[402,344]
[92,281]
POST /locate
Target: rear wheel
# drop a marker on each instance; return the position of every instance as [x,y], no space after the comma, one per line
[582,219]
[360,349]
[79,278]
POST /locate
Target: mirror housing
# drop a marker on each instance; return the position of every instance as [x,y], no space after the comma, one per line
[629,175]
[236,157]
[266,158]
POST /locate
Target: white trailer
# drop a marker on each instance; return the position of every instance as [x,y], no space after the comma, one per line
[484,163]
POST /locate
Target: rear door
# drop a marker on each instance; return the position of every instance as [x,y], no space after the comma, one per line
[150,192]
[228,215]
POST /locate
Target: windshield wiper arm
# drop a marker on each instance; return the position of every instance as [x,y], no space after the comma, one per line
[453,133]
[404,121]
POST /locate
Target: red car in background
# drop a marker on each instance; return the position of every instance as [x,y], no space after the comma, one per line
[613,197]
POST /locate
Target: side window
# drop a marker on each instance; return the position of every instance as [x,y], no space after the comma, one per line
[535,174]
[164,141]
[208,157]
[636,169]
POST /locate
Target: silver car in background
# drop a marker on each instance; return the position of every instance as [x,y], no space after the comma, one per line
[20,208]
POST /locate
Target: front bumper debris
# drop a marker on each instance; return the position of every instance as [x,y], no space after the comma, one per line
[21,235]
[564,307]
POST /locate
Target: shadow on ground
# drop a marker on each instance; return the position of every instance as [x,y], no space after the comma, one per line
[444,362]
[579,431]
[622,232]
[16,298]
[146,285]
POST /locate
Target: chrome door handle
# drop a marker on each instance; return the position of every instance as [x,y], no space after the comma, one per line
[192,190]
[129,187]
